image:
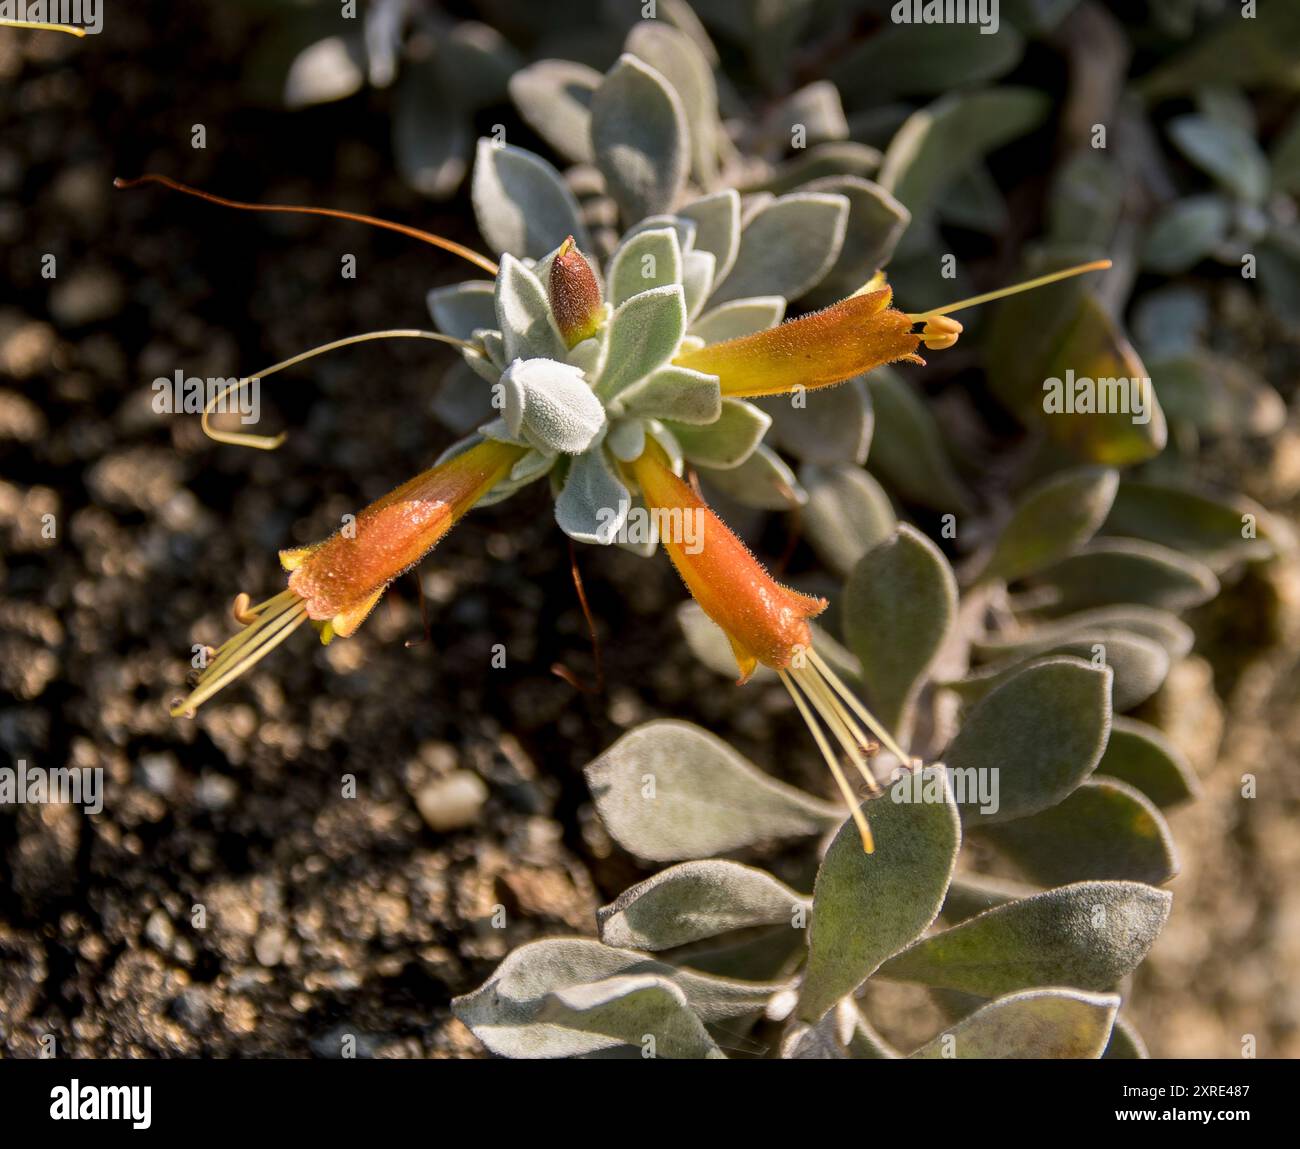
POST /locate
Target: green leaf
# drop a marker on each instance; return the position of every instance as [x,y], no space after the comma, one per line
[925,59]
[554,98]
[1105,829]
[515,1012]
[676,393]
[1054,518]
[1129,571]
[899,605]
[1143,757]
[876,223]
[717,227]
[1039,735]
[463,308]
[1159,625]
[695,900]
[1087,935]
[1139,664]
[972,894]
[763,481]
[739,317]
[615,1017]
[726,442]
[644,333]
[826,426]
[937,144]
[640,139]
[522,205]
[524,315]
[866,907]
[1186,232]
[675,56]
[431,133]
[908,454]
[1261,52]
[1219,395]
[1224,151]
[1219,531]
[1043,1023]
[1125,1042]
[593,503]
[786,247]
[669,790]
[848,513]
[647,259]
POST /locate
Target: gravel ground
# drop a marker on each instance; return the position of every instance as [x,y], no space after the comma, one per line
[236,897]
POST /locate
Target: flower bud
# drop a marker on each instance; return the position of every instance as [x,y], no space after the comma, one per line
[575,294]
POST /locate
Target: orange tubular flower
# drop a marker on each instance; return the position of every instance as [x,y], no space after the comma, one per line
[765,622]
[818,350]
[336,583]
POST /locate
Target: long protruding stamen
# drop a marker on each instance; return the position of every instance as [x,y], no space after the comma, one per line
[271,442]
[480,261]
[41,26]
[277,618]
[841,723]
[850,798]
[873,724]
[1015,289]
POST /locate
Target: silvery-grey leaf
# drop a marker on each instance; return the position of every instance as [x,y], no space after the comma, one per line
[763,481]
[876,223]
[648,259]
[329,69]
[476,62]
[494,347]
[463,400]
[640,138]
[739,317]
[674,55]
[463,308]
[594,503]
[554,98]
[669,791]
[626,439]
[551,406]
[644,333]
[848,513]
[524,315]
[811,115]
[726,442]
[717,220]
[787,247]
[431,133]
[1039,1023]
[826,426]
[695,900]
[482,364]
[685,228]
[697,279]
[667,441]
[521,203]
[675,393]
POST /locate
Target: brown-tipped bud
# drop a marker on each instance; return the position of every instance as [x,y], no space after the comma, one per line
[575,294]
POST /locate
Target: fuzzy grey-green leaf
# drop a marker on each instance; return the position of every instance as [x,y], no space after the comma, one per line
[1147,760]
[1043,1023]
[847,514]
[522,205]
[899,604]
[866,907]
[670,790]
[1087,935]
[644,333]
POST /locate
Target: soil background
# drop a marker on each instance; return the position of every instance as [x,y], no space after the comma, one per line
[233,899]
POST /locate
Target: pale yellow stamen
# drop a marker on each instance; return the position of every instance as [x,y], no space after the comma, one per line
[1014,289]
[271,442]
[271,623]
[41,26]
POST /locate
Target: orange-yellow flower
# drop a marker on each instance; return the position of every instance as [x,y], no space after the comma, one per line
[336,583]
[817,350]
[766,623]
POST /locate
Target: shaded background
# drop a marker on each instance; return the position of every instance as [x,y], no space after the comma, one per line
[328,914]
